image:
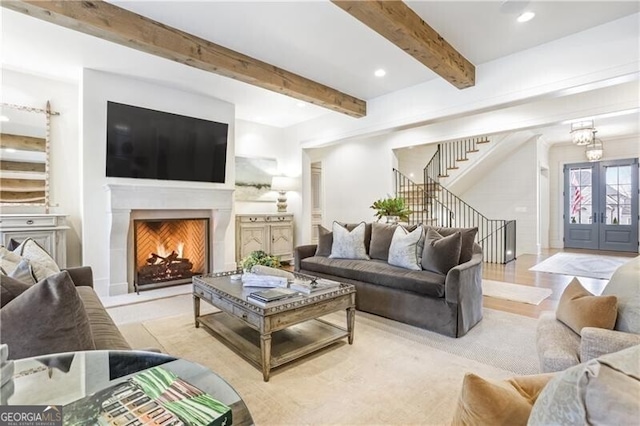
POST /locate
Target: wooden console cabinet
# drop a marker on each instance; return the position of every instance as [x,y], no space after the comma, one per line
[48,230]
[272,233]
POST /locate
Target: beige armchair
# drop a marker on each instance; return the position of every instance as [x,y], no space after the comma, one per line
[559,347]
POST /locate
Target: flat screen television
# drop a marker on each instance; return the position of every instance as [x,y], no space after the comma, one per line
[147,144]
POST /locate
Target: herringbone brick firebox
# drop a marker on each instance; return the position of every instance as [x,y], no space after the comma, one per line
[170,251]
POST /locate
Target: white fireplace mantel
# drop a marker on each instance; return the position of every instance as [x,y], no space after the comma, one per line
[123,199]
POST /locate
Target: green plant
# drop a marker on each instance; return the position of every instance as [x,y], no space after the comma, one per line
[259,257]
[391,206]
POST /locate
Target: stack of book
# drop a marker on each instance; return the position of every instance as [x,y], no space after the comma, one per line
[266,297]
[153,397]
[313,286]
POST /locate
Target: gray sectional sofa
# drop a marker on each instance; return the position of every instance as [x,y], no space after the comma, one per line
[450,304]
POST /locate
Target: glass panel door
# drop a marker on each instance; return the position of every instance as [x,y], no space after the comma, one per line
[619,205]
[601,205]
[580,227]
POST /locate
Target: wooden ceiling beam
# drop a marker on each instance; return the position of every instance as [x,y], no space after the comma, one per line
[396,22]
[118,25]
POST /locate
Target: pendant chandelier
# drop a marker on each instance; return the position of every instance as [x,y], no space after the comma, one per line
[582,132]
[594,149]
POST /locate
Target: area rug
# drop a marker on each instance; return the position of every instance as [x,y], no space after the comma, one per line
[515,292]
[581,265]
[392,374]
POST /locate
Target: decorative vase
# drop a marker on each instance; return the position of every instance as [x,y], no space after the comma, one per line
[392,219]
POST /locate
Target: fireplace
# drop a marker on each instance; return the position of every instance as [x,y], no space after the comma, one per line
[128,203]
[169,251]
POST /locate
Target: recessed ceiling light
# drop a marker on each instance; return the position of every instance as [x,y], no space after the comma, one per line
[526,16]
[10,150]
[4,118]
[380,73]
[301,104]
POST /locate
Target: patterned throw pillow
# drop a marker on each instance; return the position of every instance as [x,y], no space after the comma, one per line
[381,236]
[8,260]
[404,250]
[348,244]
[602,391]
[42,263]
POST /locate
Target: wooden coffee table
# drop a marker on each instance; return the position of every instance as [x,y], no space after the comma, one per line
[274,335]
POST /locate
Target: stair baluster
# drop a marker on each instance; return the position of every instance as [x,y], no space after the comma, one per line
[436,206]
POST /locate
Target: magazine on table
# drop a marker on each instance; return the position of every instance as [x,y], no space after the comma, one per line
[313,286]
[263,304]
[272,294]
[152,397]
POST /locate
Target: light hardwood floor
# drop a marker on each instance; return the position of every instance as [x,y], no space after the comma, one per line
[518,272]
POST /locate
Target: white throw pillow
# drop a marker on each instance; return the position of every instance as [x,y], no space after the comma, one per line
[348,245]
[42,263]
[8,260]
[405,250]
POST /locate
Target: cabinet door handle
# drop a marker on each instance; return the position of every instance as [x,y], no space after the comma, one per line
[253,219]
[602,217]
[29,222]
[267,219]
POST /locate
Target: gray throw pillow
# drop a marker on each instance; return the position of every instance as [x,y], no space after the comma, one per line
[404,249]
[381,236]
[468,238]
[325,241]
[49,317]
[440,254]
[348,244]
[11,288]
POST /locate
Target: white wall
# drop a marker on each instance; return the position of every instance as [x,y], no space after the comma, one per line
[509,191]
[561,154]
[544,194]
[65,179]
[354,175]
[95,90]
[259,140]
[412,160]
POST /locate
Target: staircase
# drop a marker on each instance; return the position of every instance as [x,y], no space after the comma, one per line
[434,205]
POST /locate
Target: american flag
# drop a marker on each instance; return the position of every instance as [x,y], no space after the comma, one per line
[576,194]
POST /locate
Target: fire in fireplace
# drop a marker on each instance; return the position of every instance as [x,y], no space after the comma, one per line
[170,251]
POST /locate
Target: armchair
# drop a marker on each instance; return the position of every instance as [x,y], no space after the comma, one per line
[559,347]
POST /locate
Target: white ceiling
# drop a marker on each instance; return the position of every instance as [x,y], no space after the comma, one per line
[315,39]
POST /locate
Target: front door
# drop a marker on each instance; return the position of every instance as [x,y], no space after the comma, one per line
[601,205]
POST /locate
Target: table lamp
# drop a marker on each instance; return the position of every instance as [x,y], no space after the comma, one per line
[282,184]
